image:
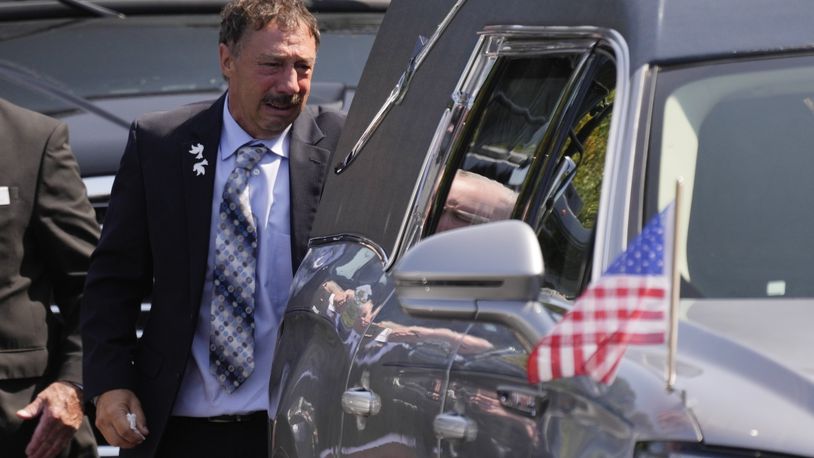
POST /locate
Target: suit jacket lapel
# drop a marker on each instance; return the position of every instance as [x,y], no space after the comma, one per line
[307,172]
[198,173]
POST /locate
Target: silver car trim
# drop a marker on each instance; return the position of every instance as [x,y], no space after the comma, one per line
[451,426]
[472,78]
[354,239]
[88,7]
[361,402]
[446,133]
[400,90]
[618,163]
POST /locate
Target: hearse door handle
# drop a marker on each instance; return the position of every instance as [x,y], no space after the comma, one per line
[455,427]
[361,402]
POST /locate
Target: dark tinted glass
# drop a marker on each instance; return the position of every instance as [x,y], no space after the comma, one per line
[508,130]
[571,202]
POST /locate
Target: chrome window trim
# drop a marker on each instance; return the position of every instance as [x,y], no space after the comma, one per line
[615,204]
[496,41]
[563,107]
[472,79]
[351,238]
[400,90]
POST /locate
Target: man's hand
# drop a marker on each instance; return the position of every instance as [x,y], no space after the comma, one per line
[112,408]
[59,408]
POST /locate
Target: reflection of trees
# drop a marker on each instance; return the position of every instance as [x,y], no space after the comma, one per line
[592,141]
[509,124]
[523,100]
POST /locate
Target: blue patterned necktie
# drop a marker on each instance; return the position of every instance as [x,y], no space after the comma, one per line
[231,336]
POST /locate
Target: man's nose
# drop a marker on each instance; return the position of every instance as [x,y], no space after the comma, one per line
[289,81]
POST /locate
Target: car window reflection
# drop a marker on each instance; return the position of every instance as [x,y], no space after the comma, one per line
[571,203]
[507,135]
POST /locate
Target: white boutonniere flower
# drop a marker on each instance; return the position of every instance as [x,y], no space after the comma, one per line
[199,167]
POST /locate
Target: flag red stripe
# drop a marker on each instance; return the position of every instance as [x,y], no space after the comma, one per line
[603,337]
[603,292]
[601,353]
[622,314]
[579,357]
[532,369]
[556,369]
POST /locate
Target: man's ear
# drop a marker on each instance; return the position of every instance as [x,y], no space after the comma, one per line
[227,60]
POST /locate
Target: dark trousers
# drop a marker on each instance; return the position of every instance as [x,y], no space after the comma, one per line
[190,437]
[15,433]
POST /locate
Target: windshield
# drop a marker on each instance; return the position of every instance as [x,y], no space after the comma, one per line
[741,134]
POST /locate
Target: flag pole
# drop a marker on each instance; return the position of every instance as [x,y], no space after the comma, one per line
[675,290]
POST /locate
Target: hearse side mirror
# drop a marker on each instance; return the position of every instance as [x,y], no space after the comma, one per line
[489,272]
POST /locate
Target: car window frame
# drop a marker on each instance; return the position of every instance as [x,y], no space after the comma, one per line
[493,42]
[545,178]
[461,108]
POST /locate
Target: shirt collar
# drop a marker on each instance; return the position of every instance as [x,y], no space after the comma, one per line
[233,137]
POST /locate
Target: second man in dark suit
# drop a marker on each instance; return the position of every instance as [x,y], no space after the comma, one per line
[209,216]
[47,232]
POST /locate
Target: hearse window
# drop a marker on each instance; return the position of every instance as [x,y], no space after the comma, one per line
[511,117]
[572,181]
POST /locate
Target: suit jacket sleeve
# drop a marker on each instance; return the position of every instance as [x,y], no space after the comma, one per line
[119,279]
[66,230]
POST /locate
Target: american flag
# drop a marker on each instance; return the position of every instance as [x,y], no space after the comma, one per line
[628,304]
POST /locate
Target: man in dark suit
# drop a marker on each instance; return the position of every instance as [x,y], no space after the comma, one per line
[209,214]
[47,233]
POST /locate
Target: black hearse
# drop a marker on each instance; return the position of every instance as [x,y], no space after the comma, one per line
[411,320]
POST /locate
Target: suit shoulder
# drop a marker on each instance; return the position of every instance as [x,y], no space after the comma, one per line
[27,121]
[165,122]
[327,117]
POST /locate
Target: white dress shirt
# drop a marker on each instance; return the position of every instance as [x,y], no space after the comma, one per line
[201,394]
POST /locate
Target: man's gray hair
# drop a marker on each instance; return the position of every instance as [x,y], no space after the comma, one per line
[238,15]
